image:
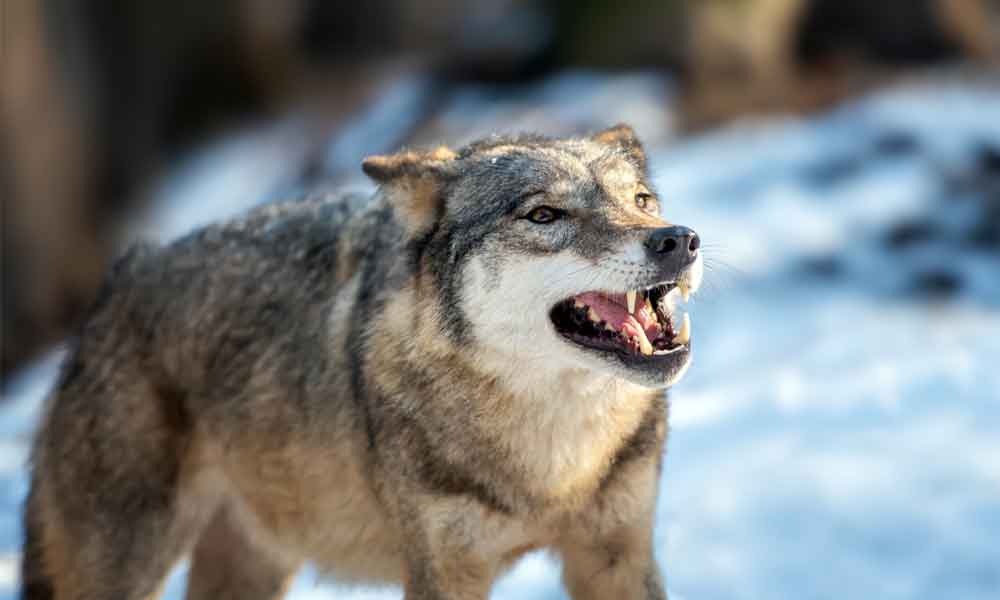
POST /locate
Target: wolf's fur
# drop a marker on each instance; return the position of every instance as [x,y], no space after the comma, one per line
[372,384]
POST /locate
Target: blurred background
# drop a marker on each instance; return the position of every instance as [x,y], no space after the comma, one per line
[839,432]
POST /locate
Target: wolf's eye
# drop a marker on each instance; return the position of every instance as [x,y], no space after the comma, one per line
[645,202]
[544,214]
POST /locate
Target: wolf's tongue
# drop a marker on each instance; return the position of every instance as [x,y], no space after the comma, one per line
[612,310]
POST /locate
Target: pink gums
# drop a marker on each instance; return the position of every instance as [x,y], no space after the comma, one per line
[612,309]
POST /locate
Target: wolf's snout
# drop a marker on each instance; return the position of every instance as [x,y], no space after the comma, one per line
[677,244]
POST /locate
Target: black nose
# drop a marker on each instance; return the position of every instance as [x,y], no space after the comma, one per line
[676,242]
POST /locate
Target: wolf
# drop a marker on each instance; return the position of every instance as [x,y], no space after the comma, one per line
[416,386]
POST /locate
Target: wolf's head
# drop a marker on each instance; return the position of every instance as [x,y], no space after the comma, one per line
[549,254]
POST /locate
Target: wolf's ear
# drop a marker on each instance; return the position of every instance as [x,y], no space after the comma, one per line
[413,181]
[623,137]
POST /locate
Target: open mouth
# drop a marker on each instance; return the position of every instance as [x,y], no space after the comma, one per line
[637,324]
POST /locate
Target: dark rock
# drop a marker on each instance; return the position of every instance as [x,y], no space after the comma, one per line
[834,171]
[896,143]
[988,161]
[908,233]
[937,283]
[829,266]
[986,233]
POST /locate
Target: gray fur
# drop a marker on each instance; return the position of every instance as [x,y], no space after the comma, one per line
[321,356]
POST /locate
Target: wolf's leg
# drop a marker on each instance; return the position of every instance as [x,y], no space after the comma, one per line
[114,503]
[73,552]
[608,552]
[227,565]
[448,578]
[592,573]
[448,549]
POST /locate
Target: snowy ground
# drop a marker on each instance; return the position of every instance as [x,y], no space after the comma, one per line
[839,433]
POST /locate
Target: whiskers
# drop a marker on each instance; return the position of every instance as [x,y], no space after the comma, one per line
[720,274]
[583,271]
[589,275]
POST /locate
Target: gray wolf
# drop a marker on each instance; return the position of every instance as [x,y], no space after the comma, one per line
[415,387]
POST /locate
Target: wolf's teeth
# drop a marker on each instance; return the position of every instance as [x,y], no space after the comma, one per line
[645,346]
[630,298]
[684,336]
[649,307]
[609,327]
[685,290]
[578,304]
[593,316]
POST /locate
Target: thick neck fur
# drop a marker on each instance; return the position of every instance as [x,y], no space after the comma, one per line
[555,430]
[571,422]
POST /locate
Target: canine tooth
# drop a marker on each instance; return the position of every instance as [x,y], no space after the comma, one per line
[593,316]
[609,327]
[630,298]
[685,290]
[578,304]
[645,346]
[684,336]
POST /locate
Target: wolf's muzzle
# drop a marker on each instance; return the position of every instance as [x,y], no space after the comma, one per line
[672,248]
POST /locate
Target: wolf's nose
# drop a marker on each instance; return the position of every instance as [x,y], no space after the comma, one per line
[676,240]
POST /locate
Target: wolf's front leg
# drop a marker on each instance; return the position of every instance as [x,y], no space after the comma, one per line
[611,572]
[608,551]
[448,578]
[450,555]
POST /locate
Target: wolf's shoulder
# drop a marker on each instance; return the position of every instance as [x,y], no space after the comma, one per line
[277,229]
[323,210]
[329,206]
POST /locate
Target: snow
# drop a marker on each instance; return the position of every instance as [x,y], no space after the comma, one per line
[837,435]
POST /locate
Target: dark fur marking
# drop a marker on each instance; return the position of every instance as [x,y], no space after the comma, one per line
[322,254]
[645,440]
[417,248]
[416,251]
[449,479]
[371,272]
[173,403]
[436,473]
[446,267]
